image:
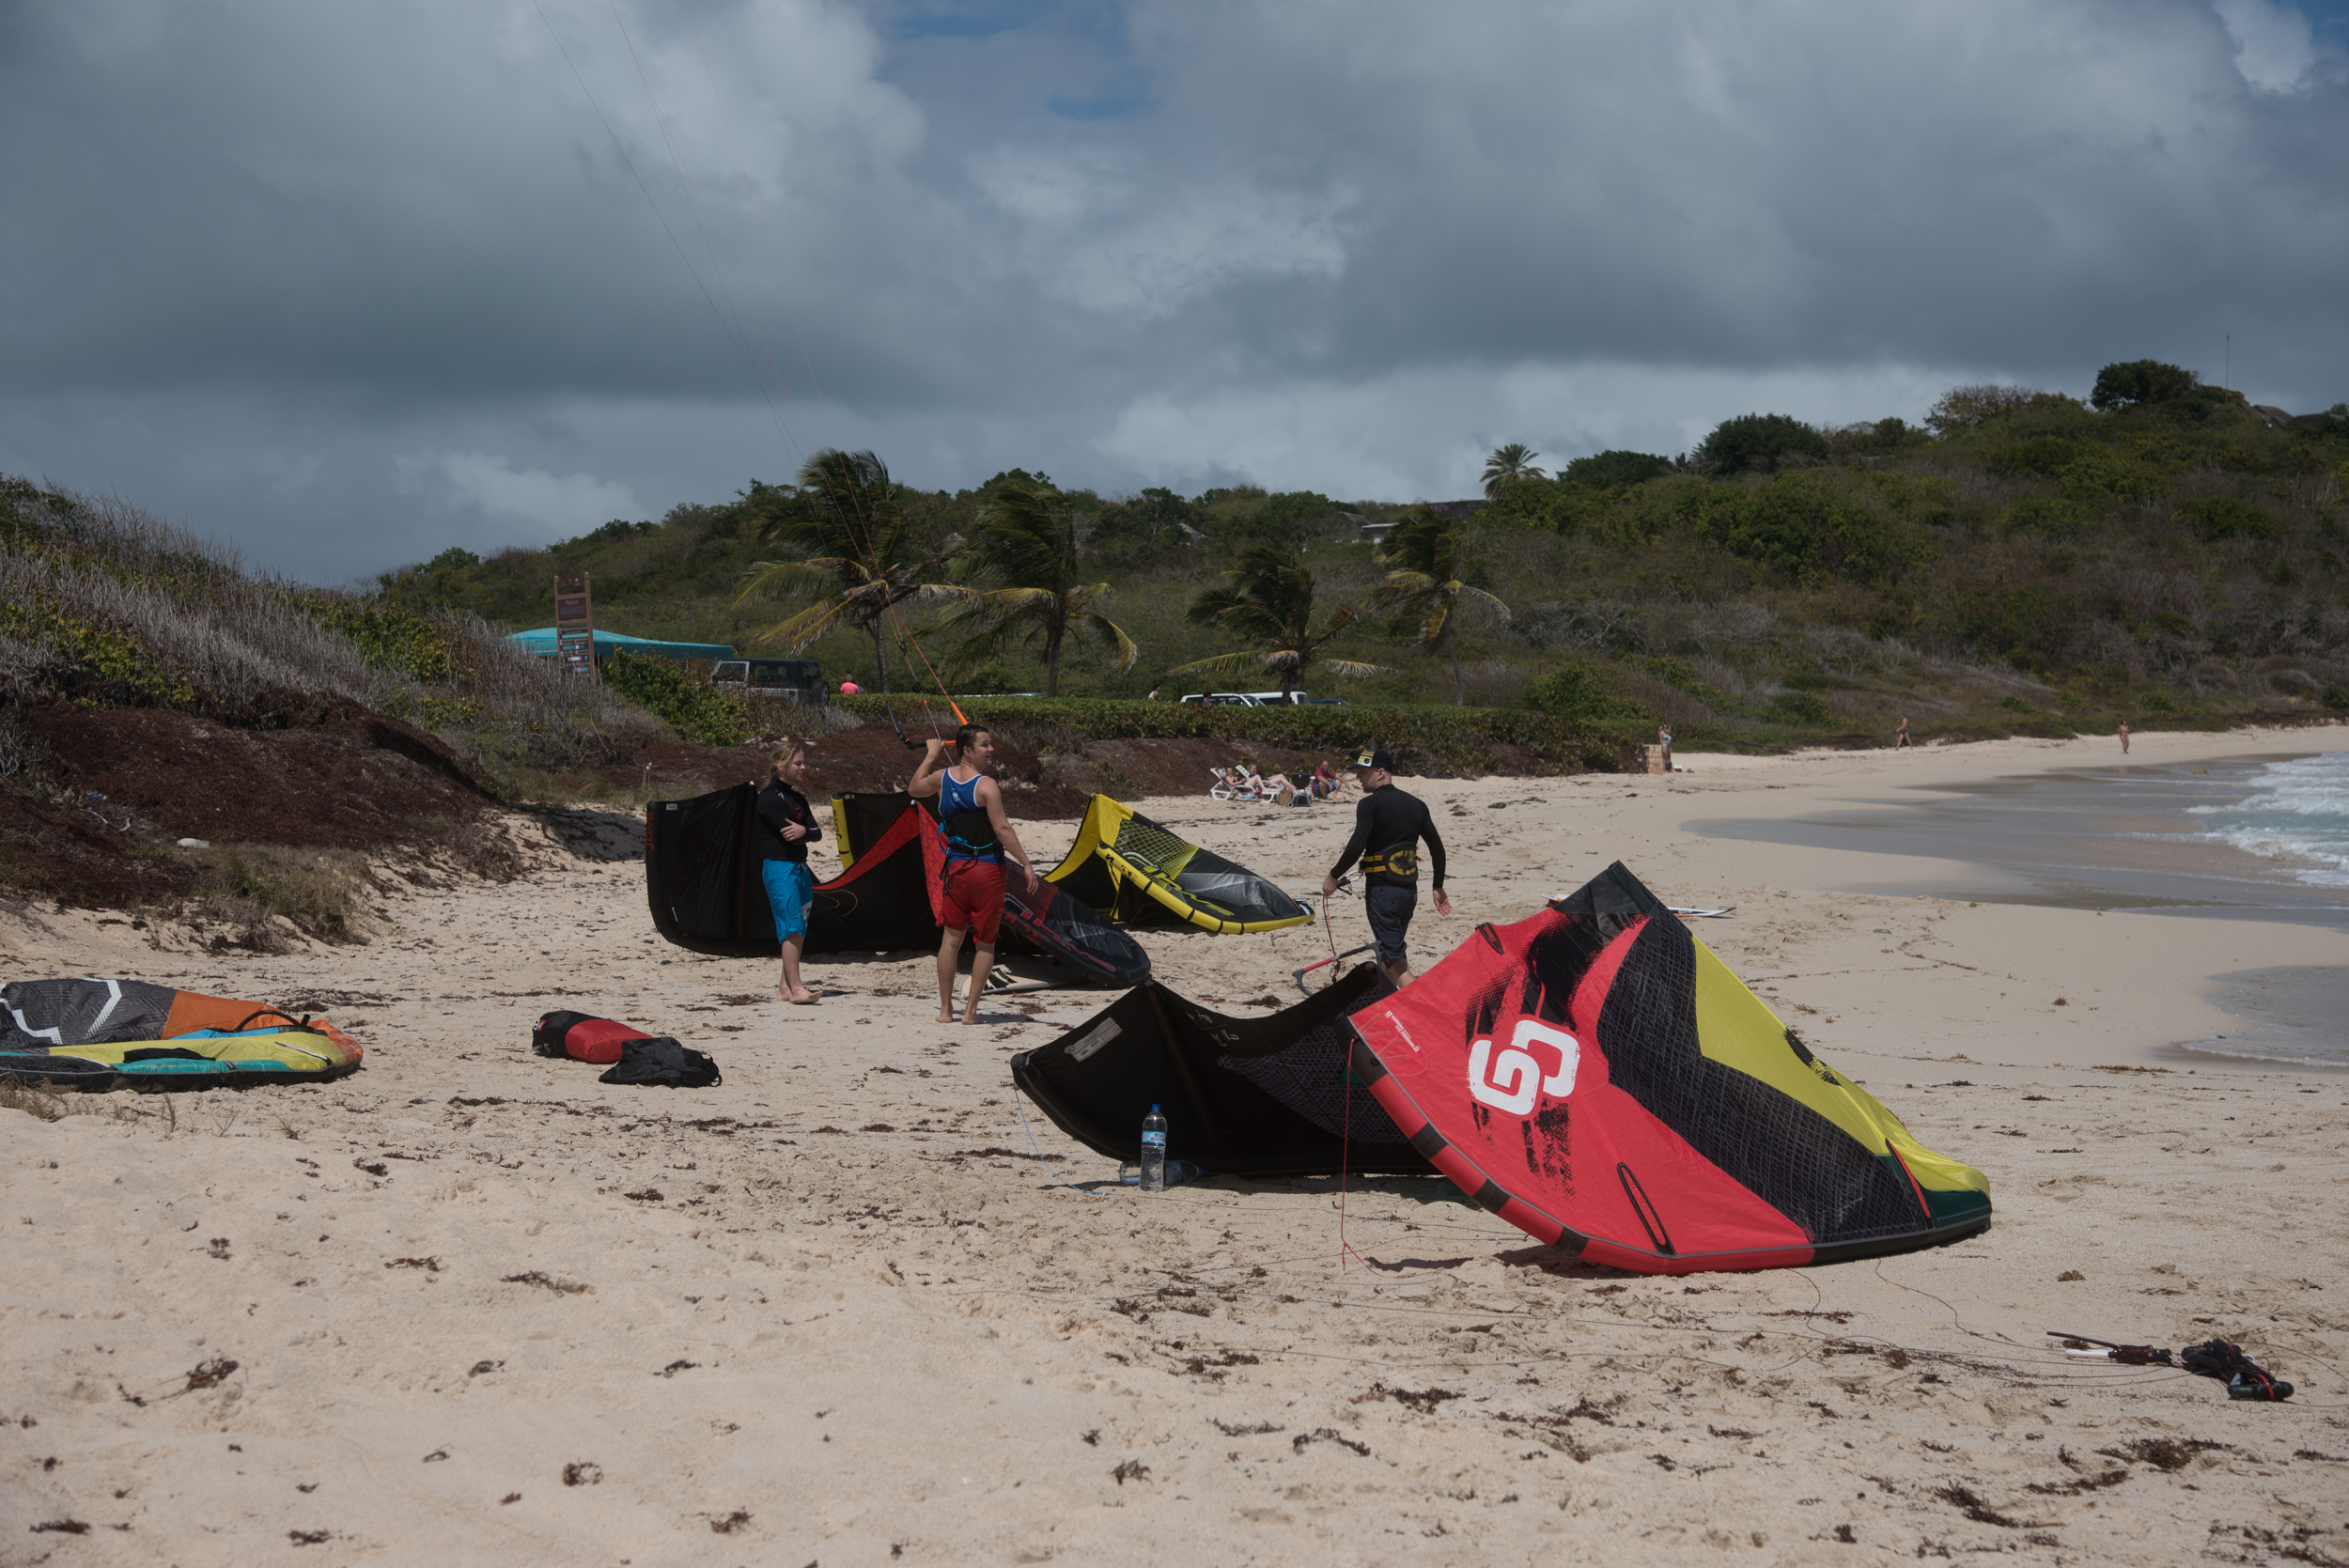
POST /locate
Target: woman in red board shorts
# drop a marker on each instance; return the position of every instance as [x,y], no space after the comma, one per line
[971,819]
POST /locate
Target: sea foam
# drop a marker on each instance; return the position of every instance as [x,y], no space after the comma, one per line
[2296,812]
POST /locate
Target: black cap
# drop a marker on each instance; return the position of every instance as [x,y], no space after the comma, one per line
[1375,757]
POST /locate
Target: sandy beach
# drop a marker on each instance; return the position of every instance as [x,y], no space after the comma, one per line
[482,1309]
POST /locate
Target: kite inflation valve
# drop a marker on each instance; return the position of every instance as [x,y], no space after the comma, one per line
[1154,1151]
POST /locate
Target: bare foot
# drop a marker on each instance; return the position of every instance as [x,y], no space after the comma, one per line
[803,997]
[945,1015]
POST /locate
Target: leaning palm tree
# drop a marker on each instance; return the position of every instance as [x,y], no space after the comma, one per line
[1025,543]
[858,549]
[1270,601]
[1424,561]
[1507,465]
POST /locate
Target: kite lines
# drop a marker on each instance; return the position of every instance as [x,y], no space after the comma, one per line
[851,506]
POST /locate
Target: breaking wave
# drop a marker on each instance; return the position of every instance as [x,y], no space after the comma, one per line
[2296,811]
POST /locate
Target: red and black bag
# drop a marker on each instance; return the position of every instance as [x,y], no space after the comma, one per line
[582,1037]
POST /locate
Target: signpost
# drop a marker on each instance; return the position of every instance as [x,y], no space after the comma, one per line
[574,625]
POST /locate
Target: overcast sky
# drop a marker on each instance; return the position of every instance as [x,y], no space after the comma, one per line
[352,283]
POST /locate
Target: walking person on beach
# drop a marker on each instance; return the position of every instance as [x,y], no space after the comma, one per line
[782,829]
[1389,826]
[1664,744]
[977,835]
[2124,738]
[1900,742]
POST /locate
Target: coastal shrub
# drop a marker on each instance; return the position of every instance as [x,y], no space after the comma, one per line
[1760,441]
[2128,384]
[681,696]
[1801,707]
[2053,516]
[2223,517]
[2100,476]
[1579,694]
[1808,521]
[1966,408]
[1605,470]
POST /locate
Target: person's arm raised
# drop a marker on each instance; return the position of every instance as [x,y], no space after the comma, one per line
[991,797]
[928,778]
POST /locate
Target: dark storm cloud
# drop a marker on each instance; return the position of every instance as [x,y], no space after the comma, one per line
[355,282]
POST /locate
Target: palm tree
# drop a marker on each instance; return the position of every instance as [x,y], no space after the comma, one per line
[859,548]
[1424,561]
[1026,541]
[1507,465]
[1270,601]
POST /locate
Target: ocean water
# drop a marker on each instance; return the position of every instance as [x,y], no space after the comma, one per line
[2294,813]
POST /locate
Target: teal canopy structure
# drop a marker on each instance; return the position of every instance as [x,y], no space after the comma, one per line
[541,642]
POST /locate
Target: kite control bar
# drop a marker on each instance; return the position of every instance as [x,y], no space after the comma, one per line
[1335,959]
[2220,1359]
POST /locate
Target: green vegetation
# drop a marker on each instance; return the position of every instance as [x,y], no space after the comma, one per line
[1425,740]
[2023,561]
[1425,560]
[2167,558]
[104,605]
[1268,601]
[681,697]
[1028,552]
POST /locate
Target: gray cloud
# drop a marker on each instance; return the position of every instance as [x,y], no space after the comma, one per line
[352,283]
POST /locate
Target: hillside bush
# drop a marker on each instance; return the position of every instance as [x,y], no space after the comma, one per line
[680,696]
[1760,441]
[1807,522]
[2129,383]
[1579,694]
[2227,517]
[1605,470]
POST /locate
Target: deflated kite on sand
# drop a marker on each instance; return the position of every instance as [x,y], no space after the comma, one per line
[112,1033]
[1599,1079]
[1243,1097]
[1136,872]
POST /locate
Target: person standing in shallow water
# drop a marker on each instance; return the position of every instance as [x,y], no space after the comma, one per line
[782,829]
[977,835]
[1389,826]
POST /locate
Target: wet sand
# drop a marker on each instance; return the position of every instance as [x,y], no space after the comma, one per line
[484,1309]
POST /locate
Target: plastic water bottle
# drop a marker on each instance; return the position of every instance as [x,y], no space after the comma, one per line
[1154,1151]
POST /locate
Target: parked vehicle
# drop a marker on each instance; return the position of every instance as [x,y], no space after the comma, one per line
[1248,699]
[791,680]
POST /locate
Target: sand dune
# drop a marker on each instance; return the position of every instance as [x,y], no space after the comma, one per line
[482,1309]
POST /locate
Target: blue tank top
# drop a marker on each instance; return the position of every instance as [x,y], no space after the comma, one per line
[963,823]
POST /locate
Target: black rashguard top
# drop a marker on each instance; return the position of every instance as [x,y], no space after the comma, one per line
[1388,820]
[779,803]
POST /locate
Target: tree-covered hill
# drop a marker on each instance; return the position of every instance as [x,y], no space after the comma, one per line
[2023,561]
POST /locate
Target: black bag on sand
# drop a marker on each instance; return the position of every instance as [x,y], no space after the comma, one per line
[661,1062]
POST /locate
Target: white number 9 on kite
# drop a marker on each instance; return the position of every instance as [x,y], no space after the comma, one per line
[1513,1079]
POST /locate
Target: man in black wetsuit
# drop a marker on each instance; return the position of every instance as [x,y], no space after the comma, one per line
[1388,828]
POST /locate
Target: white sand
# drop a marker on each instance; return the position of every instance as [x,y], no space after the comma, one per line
[837,1307]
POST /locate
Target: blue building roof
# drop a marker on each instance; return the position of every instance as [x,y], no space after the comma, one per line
[541,641]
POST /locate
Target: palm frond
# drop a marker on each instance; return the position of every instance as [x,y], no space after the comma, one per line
[1124,651]
[1354,669]
[762,577]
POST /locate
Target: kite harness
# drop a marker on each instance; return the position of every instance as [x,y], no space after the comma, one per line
[963,823]
[2220,1358]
